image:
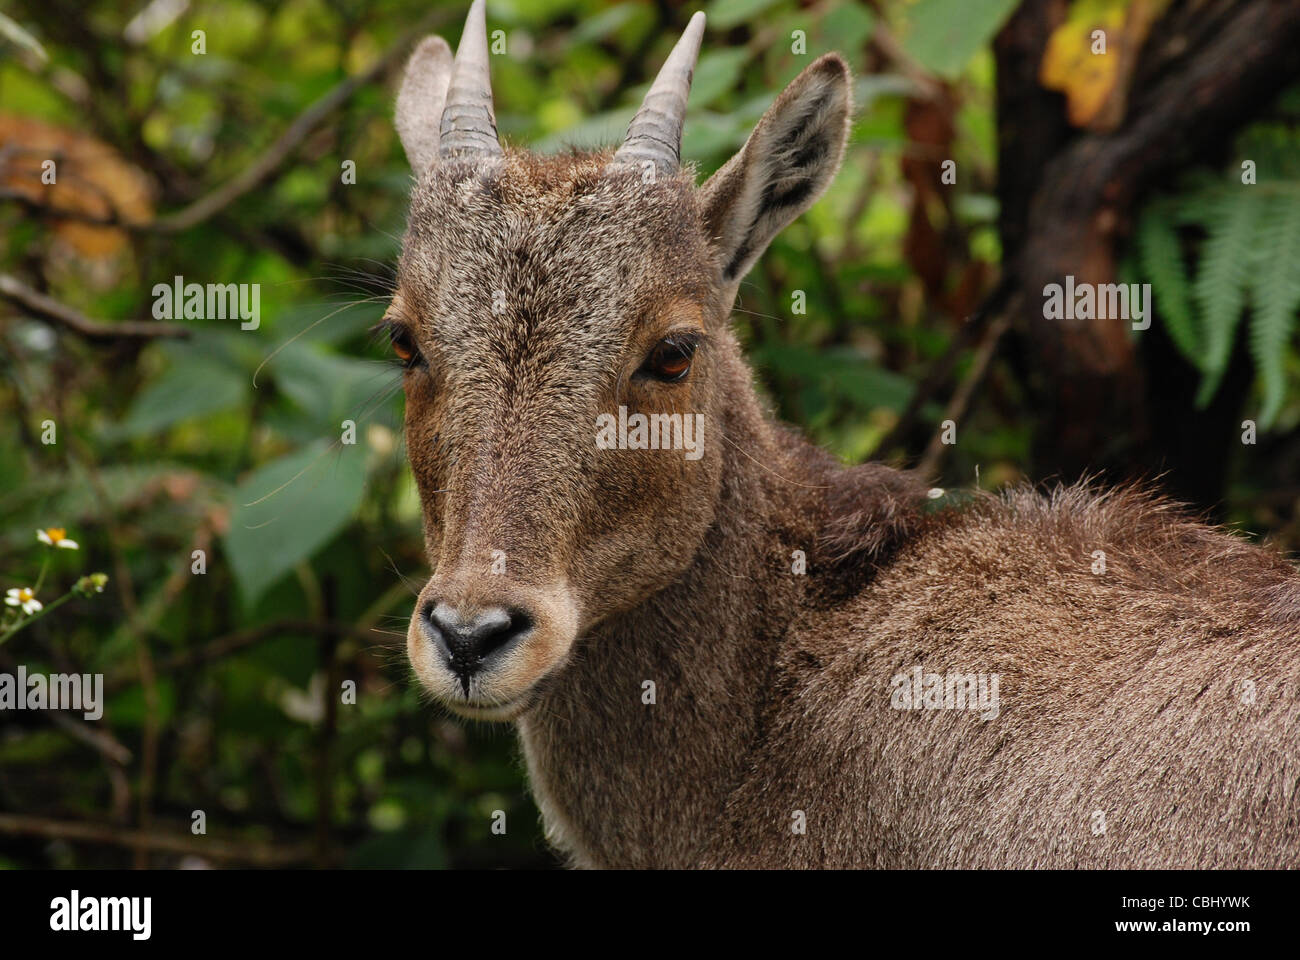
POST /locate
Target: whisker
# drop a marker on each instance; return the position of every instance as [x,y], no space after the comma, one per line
[274,353]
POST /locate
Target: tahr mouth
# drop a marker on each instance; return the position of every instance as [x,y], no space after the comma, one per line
[490,710]
[480,708]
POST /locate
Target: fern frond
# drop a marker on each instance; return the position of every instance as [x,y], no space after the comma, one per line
[1220,285]
[1250,256]
[1275,296]
[1161,259]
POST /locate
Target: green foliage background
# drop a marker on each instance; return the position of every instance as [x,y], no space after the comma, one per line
[227,442]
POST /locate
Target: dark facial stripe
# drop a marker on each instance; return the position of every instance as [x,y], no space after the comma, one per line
[805,149]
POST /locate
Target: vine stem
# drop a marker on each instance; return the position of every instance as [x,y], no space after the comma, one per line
[40,578]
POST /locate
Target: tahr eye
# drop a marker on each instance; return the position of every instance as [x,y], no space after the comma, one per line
[670,360]
[403,345]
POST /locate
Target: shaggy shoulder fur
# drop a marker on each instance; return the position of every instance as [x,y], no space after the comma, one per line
[1120,687]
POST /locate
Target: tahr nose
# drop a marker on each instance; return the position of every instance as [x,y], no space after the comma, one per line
[467,642]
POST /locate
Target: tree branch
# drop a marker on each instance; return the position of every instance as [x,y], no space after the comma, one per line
[100,740]
[258,854]
[11,288]
[279,151]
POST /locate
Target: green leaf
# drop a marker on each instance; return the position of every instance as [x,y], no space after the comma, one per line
[130,710]
[1161,257]
[193,386]
[871,87]
[1221,279]
[713,136]
[945,34]
[1275,293]
[847,27]
[331,387]
[596,131]
[717,73]
[865,383]
[290,508]
[597,28]
[839,371]
[725,14]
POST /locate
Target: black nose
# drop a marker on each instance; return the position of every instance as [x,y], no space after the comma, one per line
[468,642]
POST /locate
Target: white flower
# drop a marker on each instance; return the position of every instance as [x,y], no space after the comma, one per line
[23,597]
[56,537]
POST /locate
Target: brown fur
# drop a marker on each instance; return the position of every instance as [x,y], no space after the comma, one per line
[1121,692]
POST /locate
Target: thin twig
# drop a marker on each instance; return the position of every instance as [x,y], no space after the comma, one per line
[38,303]
[961,398]
[258,854]
[100,740]
[939,372]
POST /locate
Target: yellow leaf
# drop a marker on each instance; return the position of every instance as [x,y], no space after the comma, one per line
[1069,64]
[1094,69]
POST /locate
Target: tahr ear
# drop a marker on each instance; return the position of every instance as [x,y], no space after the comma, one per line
[420,100]
[784,166]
